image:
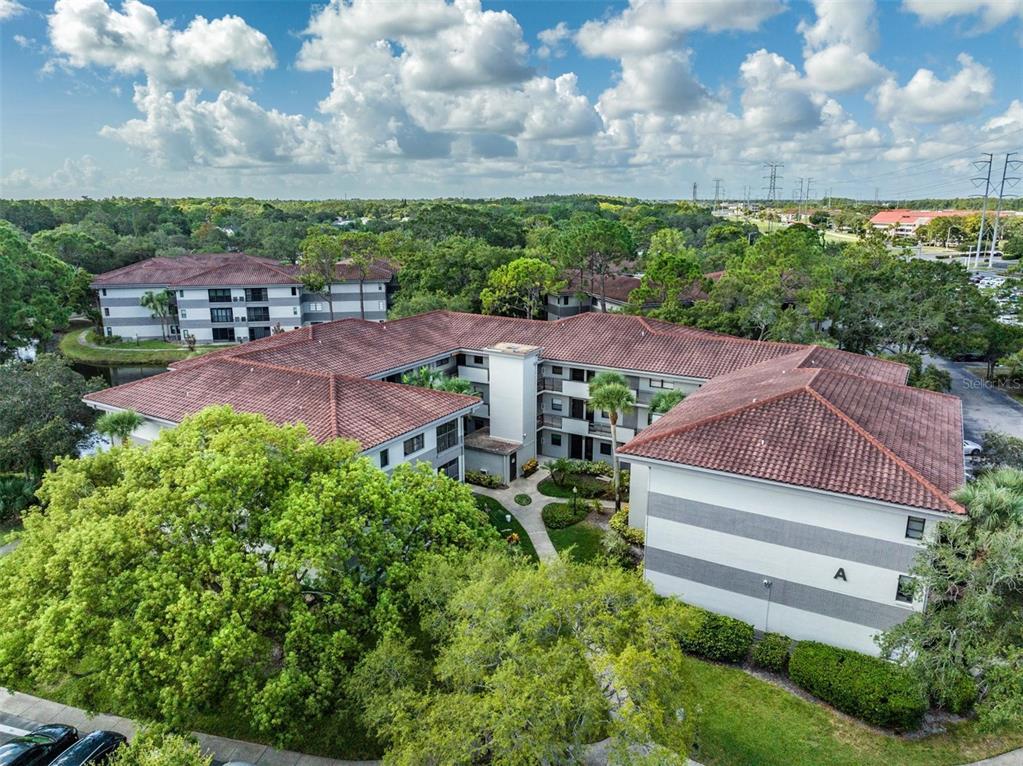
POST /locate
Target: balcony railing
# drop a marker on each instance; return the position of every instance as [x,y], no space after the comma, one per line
[600,428]
[551,421]
[548,384]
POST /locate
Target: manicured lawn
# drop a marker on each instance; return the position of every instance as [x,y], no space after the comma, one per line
[589,486]
[497,512]
[523,499]
[584,536]
[748,722]
[155,352]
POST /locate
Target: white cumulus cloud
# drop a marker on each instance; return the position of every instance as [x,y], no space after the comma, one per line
[204,54]
[926,98]
[838,45]
[991,12]
[9,9]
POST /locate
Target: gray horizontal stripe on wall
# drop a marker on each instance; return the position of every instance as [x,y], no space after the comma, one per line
[324,316]
[190,303]
[142,321]
[839,606]
[845,546]
[112,301]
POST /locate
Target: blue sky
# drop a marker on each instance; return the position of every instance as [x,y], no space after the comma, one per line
[391,99]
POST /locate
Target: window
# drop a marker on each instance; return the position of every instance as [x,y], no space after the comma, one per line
[258,313]
[605,448]
[110,331]
[316,307]
[255,333]
[106,312]
[447,435]
[557,371]
[450,469]
[385,458]
[294,291]
[564,299]
[223,333]
[104,292]
[222,315]
[555,440]
[182,313]
[220,295]
[557,405]
[294,311]
[442,362]
[905,590]
[578,375]
[256,294]
[414,444]
[658,383]
[181,293]
[477,360]
[915,528]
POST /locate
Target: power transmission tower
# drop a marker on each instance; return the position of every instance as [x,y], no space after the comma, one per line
[806,196]
[694,191]
[772,185]
[717,191]
[998,210]
[979,164]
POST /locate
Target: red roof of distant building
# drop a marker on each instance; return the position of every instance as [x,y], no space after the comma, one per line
[227,269]
[811,420]
[895,217]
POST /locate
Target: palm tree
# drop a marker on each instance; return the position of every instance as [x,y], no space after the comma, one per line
[423,377]
[994,499]
[118,425]
[610,393]
[455,386]
[159,304]
[665,400]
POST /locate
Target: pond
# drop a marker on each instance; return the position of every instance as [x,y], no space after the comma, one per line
[116,374]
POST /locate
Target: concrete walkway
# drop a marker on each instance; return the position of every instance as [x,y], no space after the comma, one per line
[528,515]
[25,712]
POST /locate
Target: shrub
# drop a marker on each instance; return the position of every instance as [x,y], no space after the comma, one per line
[959,694]
[483,479]
[561,515]
[771,652]
[592,468]
[523,499]
[16,494]
[619,522]
[530,467]
[869,688]
[102,340]
[717,637]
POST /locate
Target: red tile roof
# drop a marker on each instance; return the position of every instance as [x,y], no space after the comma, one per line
[368,411]
[901,215]
[214,269]
[357,347]
[809,419]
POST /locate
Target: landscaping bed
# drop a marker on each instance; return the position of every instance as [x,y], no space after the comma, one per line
[146,352]
[588,486]
[497,513]
[745,721]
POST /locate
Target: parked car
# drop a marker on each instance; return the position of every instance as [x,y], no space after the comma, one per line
[971,448]
[94,748]
[38,747]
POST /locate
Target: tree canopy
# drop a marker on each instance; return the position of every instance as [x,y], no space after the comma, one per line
[520,288]
[232,564]
[42,415]
[968,643]
[37,291]
[530,665]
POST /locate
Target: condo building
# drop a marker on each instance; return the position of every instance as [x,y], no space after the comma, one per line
[791,488]
[233,297]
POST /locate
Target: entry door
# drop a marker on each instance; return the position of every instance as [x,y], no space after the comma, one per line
[575,447]
[589,447]
[513,466]
[578,409]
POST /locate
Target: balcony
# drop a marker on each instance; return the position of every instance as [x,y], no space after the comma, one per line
[550,421]
[548,384]
[600,429]
[576,389]
[575,426]
[474,374]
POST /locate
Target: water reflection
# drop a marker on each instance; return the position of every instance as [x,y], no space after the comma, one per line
[115,375]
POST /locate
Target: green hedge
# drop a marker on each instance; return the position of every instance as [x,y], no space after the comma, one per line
[619,522]
[561,515]
[483,479]
[771,652]
[717,637]
[869,688]
[16,494]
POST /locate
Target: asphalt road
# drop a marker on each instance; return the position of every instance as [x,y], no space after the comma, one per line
[985,408]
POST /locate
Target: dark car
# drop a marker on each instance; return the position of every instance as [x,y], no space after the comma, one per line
[38,747]
[93,748]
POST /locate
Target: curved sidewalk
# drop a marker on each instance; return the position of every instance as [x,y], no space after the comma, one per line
[528,515]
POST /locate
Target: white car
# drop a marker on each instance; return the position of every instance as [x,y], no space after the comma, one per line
[971,448]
